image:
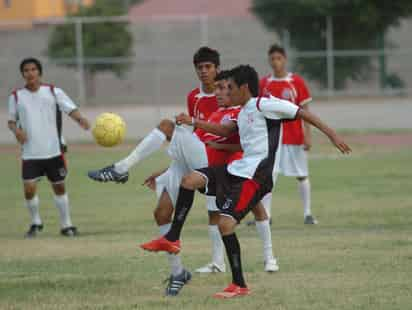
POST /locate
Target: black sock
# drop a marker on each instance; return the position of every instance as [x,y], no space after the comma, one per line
[233,253]
[183,204]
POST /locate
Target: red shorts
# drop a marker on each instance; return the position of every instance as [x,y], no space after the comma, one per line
[217,157]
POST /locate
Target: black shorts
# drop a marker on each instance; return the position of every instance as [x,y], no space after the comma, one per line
[54,168]
[235,196]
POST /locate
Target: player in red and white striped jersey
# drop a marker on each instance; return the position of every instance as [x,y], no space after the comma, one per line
[297,139]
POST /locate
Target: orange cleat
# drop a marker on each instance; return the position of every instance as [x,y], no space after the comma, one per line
[232,291]
[162,245]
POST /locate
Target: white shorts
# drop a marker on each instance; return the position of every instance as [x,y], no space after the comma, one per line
[188,153]
[293,161]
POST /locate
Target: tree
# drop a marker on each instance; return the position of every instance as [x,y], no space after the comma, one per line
[357,24]
[100,40]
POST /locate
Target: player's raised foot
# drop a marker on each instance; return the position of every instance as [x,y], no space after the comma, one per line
[310,220]
[271,265]
[162,245]
[69,231]
[108,174]
[32,232]
[211,268]
[176,283]
[232,291]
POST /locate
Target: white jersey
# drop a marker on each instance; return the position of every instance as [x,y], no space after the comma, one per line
[260,132]
[35,113]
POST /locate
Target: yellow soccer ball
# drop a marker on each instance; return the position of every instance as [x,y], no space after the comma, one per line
[109,129]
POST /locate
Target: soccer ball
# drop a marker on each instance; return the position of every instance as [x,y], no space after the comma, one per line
[109,129]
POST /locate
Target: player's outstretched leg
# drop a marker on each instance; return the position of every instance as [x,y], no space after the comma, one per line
[152,142]
[238,286]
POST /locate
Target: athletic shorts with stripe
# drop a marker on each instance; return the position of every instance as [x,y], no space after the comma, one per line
[53,168]
[236,196]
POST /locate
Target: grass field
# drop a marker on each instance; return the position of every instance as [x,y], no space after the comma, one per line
[358,257]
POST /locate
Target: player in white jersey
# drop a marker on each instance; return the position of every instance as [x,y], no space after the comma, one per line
[241,184]
[35,120]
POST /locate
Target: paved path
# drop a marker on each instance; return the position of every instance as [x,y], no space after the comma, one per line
[341,114]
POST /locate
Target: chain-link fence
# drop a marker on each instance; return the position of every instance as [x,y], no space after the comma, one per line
[160,70]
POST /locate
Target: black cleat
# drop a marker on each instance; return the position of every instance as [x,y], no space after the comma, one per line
[310,220]
[108,174]
[176,283]
[32,232]
[69,231]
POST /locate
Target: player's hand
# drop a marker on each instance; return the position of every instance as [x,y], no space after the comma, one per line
[20,136]
[340,144]
[84,123]
[307,143]
[150,182]
[184,119]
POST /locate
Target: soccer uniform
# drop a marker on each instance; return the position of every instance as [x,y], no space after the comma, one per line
[239,186]
[185,149]
[37,114]
[293,158]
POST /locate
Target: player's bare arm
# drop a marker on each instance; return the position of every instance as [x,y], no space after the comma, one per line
[223,130]
[21,136]
[150,182]
[329,132]
[225,146]
[80,119]
[307,134]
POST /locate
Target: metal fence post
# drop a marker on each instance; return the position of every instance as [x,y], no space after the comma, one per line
[330,63]
[80,61]
[204,30]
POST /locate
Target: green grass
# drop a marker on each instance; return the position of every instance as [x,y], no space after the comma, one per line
[358,257]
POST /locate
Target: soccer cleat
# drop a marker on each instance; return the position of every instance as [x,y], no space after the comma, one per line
[309,219]
[162,245]
[231,291]
[271,265]
[32,232]
[176,283]
[108,174]
[211,268]
[69,231]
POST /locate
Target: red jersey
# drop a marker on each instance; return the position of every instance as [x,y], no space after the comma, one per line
[220,157]
[201,105]
[291,88]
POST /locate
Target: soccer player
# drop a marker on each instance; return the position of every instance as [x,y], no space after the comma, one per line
[297,138]
[35,120]
[239,186]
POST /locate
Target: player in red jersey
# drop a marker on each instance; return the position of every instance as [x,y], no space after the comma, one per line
[297,139]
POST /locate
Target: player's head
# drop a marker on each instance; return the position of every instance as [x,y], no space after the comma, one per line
[31,70]
[277,58]
[206,62]
[222,88]
[243,84]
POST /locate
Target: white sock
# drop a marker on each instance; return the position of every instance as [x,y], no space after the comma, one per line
[33,206]
[263,229]
[267,204]
[304,189]
[150,144]
[175,263]
[217,245]
[62,203]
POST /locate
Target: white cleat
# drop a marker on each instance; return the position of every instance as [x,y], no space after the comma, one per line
[211,268]
[271,265]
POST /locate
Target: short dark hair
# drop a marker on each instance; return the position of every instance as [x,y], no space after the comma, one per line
[246,74]
[276,48]
[31,60]
[206,54]
[223,75]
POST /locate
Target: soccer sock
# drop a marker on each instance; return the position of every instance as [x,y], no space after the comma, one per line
[62,203]
[175,262]
[217,245]
[304,189]
[183,205]
[233,254]
[265,235]
[267,204]
[33,206]
[150,144]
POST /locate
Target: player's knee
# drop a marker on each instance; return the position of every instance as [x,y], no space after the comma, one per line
[300,179]
[59,189]
[193,181]
[260,213]
[167,127]
[226,225]
[162,216]
[214,217]
[29,191]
